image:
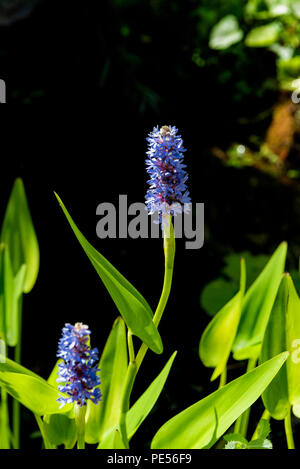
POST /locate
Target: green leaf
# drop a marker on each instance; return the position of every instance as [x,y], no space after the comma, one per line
[217,339]
[218,292]
[101,418]
[257,306]
[142,407]
[60,430]
[34,393]
[19,235]
[225,33]
[13,367]
[283,333]
[263,36]
[202,424]
[113,440]
[134,309]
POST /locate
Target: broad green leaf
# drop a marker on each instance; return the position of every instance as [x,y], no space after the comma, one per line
[202,424]
[13,367]
[101,418]
[19,235]
[60,430]
[225,33]
[35,394]
[283,333]
[134,309]
[257,306]
[263,36]
[217,339]
[112,440]
[143,406]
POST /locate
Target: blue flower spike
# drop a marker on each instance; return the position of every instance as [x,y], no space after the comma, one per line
[168,194]
[78,371]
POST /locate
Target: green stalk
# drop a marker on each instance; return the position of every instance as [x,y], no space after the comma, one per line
[289,431]
[16,405]
[241,425]
[4,413]
[41,425]
[80,412]
[169,252]
[135,363]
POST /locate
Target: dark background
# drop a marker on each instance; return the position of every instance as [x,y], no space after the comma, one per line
[107,90]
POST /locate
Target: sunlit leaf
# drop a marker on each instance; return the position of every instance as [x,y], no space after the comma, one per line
[35,394]
[103,417]
[263,36]
[132,306]
[257,306]
[19,235]
[61,430]
[217,339]
[143,406]
[225,33]
[202,424]
[283,333]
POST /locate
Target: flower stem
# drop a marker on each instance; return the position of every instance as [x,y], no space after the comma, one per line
[169,252]
[80,412]
[135,363]
[16,405]
[289,431]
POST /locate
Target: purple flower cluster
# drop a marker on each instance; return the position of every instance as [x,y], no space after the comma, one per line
[168,192]
[78,371]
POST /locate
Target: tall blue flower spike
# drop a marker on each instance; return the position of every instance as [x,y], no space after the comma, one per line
[78,371]
[168,192]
